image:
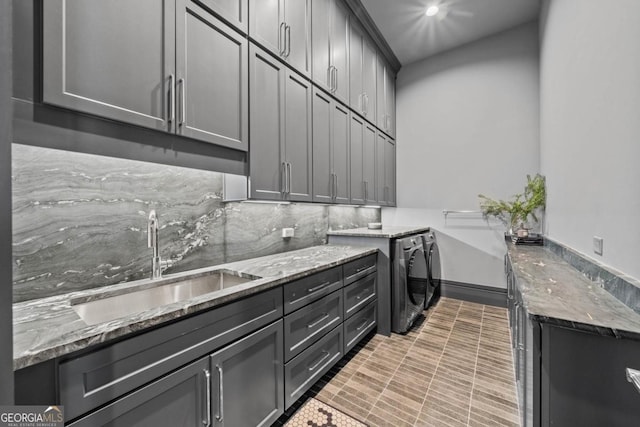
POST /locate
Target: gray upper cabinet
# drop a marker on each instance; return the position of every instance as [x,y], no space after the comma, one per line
[385,170]
[281,152]
[386,99]
[248,380]
[363,68]
[211,79]
[330,150]
[167,65]
[235,12]
[362,161]
[98,58]
[330,42]
[283,27]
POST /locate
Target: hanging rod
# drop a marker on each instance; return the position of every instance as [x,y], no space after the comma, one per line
[446,212]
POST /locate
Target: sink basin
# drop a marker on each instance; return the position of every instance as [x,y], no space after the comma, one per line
[138,301]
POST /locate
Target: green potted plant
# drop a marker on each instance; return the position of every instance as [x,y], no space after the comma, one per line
[517,211]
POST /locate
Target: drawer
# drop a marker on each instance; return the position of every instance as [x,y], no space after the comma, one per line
[354,270]
[310,323]
[301,292]
[359,293]
[359,325]
[310,365]
[95,378]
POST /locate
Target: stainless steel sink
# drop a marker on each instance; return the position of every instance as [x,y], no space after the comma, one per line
[138,301]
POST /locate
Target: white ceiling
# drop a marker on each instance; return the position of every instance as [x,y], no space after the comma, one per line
[414,36]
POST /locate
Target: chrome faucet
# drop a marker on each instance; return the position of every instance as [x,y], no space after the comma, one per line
[157,265]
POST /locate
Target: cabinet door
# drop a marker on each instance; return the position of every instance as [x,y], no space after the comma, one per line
[323,181]
[235,12]
[381,196]
[369,163]
[390,172]
[126,74]
[320,34]
[179,399]
[340,152]
[369,68]
[390,95]
[266,24]
[248,380]
[298,35]
[356,101]
[340,50]
[298,149]
[267,79]
[212,79]
[356,129]
[381,101]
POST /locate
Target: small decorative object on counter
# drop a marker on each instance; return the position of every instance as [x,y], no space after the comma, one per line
[516,212]
[530,239]
[374,226]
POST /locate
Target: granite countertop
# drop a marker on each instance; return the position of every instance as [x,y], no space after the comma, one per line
[47,328]
[388,232]
[555,292]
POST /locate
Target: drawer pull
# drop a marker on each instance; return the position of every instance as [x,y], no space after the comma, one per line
[207,378]
[633,376]
[319,362]
[363,325]
[322,318]
[317,288]
[361,269]
[220,415]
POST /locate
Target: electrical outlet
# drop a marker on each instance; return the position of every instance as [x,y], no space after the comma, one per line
[597,245]
[287,233]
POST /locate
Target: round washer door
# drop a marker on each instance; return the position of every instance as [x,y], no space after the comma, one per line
[417,276]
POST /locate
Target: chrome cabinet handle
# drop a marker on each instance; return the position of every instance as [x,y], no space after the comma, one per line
[363,324]
[172,98]
[633,376]
[281,39]
[287,34]
[330,78]
[322,318]
[317,288]
[326,354]
[207,376]
[335,80]
[220,415]
[183,102]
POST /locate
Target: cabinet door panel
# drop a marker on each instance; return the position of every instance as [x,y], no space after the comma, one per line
[369,163]
[355,156]
[212,75]
[381,101]
[267,125]
[340,151]
[390,95]
[320,35]
[390,172]
[233,11]
[179,399]
[322,175]
[248,380]
[340,49]
[355,68]
[298,150]
[296,13]
[381,191]
[124,74]
[369,67]
[264,23]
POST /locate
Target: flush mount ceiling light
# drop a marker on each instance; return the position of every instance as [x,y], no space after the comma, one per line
[432,10]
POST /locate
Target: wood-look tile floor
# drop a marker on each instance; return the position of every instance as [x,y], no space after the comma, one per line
[454,368]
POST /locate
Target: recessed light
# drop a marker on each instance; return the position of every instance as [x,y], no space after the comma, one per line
[432,10]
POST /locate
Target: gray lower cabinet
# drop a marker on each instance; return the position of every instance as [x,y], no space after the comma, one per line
[310,365]
[247,380]
[362,161]
[359,325]
[385,170]
[179,399]
[330,149]
[183,71]
[281,152]
[283,27]
[359,294]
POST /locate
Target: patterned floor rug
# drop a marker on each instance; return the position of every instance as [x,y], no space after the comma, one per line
[315,413]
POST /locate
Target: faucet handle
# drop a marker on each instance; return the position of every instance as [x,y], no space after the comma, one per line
[152,229]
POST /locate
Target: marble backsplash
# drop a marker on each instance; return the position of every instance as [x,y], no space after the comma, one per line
[79,221]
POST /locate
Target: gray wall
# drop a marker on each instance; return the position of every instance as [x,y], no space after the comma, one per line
[468,122]
[590,127]
[6,323]
[79,221]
